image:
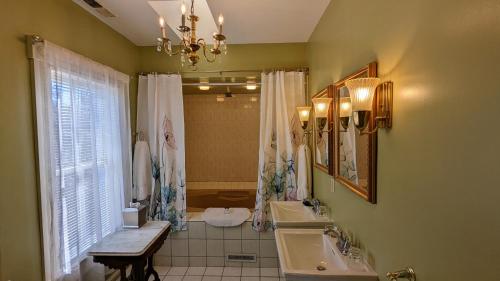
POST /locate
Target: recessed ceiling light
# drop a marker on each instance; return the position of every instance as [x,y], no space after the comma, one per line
[251,87]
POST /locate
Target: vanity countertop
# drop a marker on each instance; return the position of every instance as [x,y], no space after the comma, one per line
[130,242]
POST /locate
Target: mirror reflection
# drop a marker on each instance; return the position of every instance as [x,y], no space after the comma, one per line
[354,151]
[353,147]
[323,130]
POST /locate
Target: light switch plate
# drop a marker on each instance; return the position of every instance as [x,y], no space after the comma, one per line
[332,184]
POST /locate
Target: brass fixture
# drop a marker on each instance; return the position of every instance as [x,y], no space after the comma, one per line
[345,112]
[304,115]
[190,44]
[363,92]
[407,273]
[321,110]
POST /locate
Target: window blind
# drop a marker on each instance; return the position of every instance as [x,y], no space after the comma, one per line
[84,154]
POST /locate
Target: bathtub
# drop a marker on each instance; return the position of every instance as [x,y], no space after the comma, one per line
[203,245]
[202,195]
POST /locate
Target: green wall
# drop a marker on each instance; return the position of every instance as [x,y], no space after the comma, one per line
[239,57]
[438,166]
[66,24]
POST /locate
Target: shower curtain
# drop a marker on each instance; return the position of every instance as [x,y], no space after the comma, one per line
[161,121]
[280,135]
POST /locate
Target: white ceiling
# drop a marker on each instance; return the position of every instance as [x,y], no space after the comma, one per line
[245,21]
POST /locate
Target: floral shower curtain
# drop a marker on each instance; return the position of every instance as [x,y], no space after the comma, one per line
[280,135]
[162,123]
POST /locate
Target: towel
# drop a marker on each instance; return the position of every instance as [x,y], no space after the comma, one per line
[303,172]
[142,171]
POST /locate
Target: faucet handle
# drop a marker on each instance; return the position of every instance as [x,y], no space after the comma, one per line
[328,229]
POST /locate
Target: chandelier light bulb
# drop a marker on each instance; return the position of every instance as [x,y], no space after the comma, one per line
[221,19]
[161,20]
[183,8]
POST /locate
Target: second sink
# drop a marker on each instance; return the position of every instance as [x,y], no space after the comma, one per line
[295,214]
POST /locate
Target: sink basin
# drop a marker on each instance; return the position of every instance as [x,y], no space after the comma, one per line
[295,214]
[301,251]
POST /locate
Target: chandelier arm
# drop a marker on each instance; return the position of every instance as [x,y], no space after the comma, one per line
[202,42]
[168,51]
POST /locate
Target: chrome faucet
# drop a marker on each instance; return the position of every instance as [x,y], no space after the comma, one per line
[343,244]
[343,241]
[316,204]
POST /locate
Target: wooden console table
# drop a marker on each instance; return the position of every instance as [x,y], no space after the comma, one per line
[134,247]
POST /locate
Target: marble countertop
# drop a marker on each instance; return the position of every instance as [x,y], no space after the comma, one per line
[129,242]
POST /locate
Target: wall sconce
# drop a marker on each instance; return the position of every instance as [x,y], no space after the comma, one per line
[321,108]
[345,111]
[304,112]
[362,92]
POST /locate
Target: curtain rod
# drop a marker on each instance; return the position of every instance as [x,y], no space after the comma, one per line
[221,84]
[303,69]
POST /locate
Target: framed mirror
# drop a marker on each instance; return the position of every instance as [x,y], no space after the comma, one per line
[323,130]
[355,153]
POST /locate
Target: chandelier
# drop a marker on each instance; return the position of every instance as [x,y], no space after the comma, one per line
[190,45]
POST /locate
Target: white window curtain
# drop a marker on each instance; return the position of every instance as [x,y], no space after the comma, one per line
[160,118]
[280,136]
[84,149]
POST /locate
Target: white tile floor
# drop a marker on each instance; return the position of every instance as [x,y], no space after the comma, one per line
[218,274]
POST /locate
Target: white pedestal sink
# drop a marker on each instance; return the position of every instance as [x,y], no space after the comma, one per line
[295,214]
[301,251]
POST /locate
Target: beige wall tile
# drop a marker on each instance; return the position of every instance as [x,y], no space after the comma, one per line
[222,138]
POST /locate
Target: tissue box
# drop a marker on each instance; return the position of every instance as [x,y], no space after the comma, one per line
[134,217]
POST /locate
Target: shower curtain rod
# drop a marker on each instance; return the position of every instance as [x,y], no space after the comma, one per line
[303,69]
[220,84]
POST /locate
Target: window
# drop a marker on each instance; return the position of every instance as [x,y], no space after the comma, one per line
[85,188]
[84,154]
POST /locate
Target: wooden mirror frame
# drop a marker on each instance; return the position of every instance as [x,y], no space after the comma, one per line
[327,93]
[370,193]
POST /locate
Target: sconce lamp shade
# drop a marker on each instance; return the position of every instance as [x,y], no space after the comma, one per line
[345,109]
[321,106]
[362,91]
[304,112]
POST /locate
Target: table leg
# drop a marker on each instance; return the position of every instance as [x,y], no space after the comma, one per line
[150,270]
[123,274]
[138,270]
